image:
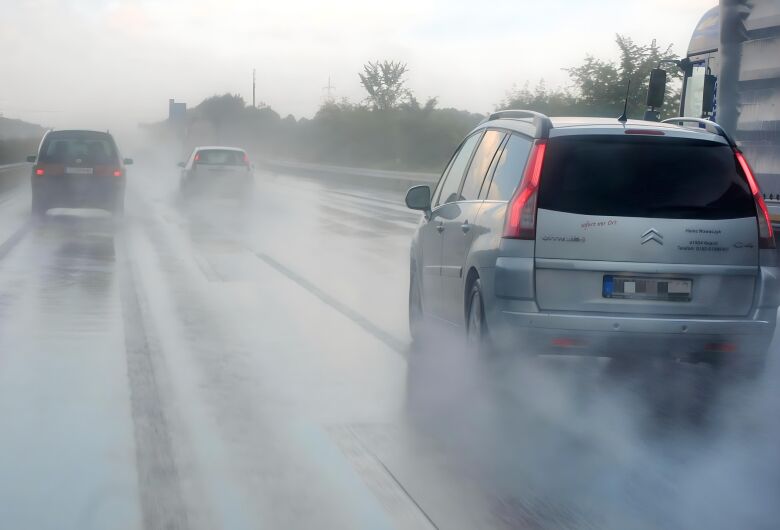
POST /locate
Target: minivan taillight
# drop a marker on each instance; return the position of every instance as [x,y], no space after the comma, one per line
[766,235]
[520,220]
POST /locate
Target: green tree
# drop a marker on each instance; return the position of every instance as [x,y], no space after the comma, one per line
[219,109]
[555,102]
[599,87]
[385,83]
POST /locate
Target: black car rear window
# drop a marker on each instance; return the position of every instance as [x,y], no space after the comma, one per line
[643,177]
[221,157]
[79,148]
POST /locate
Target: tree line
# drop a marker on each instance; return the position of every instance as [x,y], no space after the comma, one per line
[17,140]
[391,129]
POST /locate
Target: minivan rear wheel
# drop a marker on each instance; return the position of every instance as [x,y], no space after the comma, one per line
[476,326]
[416,318]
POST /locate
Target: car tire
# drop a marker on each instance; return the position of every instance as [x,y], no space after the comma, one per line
[416,315]
[38,208]
[119,206]
[476,326]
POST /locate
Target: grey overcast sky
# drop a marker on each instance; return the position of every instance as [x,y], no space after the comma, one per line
[112,63]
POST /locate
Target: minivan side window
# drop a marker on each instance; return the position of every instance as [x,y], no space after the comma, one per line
[480,164]
[510,167]
[437,190]
[449,189]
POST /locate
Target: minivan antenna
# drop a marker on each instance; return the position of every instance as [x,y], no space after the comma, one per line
[623,118]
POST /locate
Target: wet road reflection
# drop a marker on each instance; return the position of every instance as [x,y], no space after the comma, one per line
[213,364]
[68,442]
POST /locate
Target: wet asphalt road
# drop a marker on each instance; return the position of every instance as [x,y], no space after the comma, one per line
[246,364]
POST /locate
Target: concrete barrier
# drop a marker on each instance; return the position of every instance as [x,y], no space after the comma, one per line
[395,180]
[12,175]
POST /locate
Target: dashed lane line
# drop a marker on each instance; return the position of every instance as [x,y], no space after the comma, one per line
[389,340]
[162,502]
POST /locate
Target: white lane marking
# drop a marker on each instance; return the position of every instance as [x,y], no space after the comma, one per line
[158,477]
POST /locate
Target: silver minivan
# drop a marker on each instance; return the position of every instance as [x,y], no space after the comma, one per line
[589,236]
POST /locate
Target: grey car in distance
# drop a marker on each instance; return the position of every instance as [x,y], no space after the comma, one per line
[589,236]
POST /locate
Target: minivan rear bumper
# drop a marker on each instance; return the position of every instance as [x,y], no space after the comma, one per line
[610,335]
[78,191]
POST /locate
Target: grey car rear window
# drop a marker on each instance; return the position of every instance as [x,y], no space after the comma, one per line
[221,157]
[643,177]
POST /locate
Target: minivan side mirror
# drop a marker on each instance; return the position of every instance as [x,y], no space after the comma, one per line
[128,161]
[656,91]
[419,198]
[32,159]
[181,164]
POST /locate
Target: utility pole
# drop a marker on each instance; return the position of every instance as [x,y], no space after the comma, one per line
[254,84]
[329,91]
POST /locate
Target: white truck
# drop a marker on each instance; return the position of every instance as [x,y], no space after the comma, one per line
[732,76]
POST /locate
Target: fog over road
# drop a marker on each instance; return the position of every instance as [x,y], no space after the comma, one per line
[247,365]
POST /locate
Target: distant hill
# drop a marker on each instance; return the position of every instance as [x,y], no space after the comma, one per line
[12,128]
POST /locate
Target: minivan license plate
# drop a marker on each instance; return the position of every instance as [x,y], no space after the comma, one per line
[78,170]
[670,289]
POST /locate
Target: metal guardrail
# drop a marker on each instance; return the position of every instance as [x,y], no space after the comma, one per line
[13,175]
[4,167]
[356,176]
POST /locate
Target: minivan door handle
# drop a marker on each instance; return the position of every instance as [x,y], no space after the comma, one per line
[465,227]
[440,227]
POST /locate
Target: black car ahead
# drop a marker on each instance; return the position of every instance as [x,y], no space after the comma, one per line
[78,169]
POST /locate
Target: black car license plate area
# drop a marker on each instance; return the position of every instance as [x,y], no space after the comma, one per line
[639,288]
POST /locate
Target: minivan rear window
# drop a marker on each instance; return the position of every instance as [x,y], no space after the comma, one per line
[78,147]
[643,177]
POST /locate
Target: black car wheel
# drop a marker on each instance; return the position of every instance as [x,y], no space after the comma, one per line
[119,206]
[38,207]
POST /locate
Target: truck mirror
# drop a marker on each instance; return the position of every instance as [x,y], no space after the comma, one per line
[708,94]
[657,88]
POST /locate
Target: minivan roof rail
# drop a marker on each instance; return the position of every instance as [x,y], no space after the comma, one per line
[708,124]
[542,123]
